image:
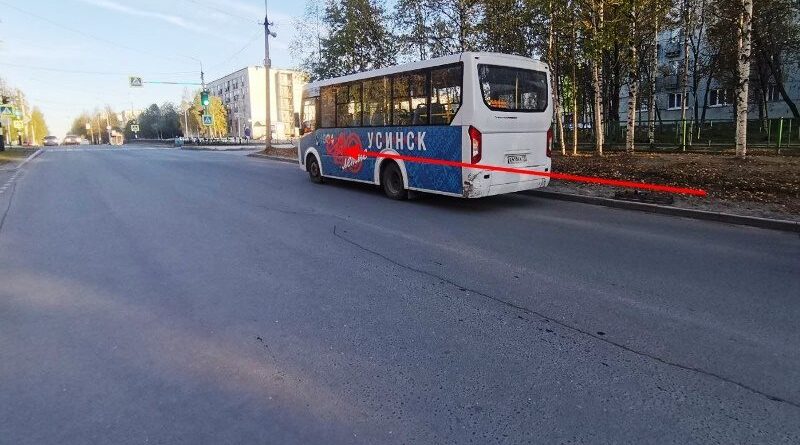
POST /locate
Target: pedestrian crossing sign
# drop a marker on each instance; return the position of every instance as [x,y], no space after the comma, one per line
[6,110]
[208,120]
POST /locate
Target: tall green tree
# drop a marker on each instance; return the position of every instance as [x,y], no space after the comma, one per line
[358,39]
[38,125]
[217,111]
[513,26]
[435,28]
[151,123]
[309,29]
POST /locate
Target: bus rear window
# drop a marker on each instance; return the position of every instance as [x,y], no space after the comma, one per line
[513,89]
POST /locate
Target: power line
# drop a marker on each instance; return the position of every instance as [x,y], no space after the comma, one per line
[232,56]
[222,11]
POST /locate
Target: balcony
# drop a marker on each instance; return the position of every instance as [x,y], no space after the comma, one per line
[672,49]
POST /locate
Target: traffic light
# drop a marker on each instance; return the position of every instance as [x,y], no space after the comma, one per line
[204,98]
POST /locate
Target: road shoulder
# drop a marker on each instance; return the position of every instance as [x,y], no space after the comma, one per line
[764,223]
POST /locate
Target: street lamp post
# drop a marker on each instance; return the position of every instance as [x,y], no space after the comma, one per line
[267,66]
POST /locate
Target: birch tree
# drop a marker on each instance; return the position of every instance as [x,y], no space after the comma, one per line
[596,17]
[687,15]
[633,76]
[553,57]
[652,104]
[743,75]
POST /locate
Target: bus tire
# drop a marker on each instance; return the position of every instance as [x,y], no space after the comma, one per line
[392,182]
[314,172]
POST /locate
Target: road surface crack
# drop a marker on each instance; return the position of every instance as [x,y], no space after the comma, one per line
[570,327]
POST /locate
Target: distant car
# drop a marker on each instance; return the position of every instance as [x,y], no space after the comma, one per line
[71,139]
[50,141]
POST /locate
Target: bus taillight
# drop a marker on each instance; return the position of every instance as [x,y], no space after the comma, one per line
[550,142]
[476,142]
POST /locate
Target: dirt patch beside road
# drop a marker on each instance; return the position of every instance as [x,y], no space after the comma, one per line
[761,185]
[15,154]
[281,152]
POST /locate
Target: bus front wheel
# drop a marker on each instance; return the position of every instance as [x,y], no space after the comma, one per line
[392,182]
[314,172]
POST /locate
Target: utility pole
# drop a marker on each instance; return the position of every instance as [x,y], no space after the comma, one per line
[202,76]
[267,66]
[203,90]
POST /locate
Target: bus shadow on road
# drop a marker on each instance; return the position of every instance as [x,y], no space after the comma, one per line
[452,203]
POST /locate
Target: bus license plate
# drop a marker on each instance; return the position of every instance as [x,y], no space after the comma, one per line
[517,159]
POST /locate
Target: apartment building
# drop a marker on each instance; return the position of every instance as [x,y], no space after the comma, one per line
[243,93]
[713,100]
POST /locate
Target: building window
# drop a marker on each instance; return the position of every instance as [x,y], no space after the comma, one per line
[673,44]
[674,101]
[673,66]
[717,97]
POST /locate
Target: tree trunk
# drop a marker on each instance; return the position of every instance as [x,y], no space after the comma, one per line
[552,58]
[685,78]
[743,74]
[574,108]
[574,86]
[651,102]
[597,76]
[633,88]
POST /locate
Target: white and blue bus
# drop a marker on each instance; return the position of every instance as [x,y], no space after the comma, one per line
[481,109]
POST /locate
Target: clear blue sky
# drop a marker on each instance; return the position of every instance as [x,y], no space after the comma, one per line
[155,39]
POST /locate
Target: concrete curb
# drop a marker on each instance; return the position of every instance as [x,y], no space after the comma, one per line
[752,221]
[25,161]
[273,158]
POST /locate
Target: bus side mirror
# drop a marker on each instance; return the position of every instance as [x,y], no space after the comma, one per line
[296,120]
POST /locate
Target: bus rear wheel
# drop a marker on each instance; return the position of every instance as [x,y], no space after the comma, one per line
[392,182]
[314,172]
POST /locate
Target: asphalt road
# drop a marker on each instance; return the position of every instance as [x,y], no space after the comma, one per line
[184,297]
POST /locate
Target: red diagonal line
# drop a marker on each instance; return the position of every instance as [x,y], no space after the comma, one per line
[553,175]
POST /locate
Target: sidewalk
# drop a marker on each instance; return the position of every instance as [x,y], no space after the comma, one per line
[220,147]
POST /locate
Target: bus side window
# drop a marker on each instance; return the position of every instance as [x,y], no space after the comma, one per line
[328,108]
[309,118]
[445,94]
[344,117]
[401,103]
[419,99]
[376,94]
[354,104]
